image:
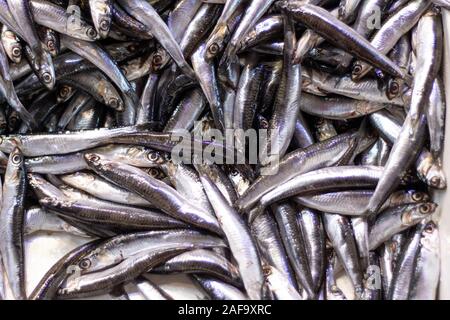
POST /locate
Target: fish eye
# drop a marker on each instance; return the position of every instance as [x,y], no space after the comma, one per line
[16,52]
[424,209]
[93,158]
[157,59]
[417,196]
[429,228]
[51,44]
[104,25]
[16,159]
[357,69]
[435,181]
[85,264]
[214,48]
[153,172]
[113,102]
[47,77]
[234,172]
[90,32]
[153,156]
[394,87]
[64,92]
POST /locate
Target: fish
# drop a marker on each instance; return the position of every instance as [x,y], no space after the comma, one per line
[391,31]
[12,219]
[152,190]
[139,255]
[295,244]
[222,150]
[11,44]
[340,233]
[425,283]
[339,34]
[204,262]
[397,219]
[41,60]
[144,12]
[242,245]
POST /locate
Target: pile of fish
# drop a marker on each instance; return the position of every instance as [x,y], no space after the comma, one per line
[94,95]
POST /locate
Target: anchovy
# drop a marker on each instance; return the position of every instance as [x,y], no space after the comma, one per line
[204,262]
[41,59]
[340,35]
[295,243]
[323,180]
[397,219]
[353,202]
[427,272]
[287,103]
[311,226]
[391,31]
[152,190]
[340,233]
[11,44]
[128,268]
[241,243]
[12,217]
[144,12]
[329,152]
[428,169]
[404,270]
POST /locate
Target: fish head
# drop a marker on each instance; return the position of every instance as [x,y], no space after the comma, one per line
[435,177]
[159,59]
[101,15]
[358,71]
[430,237]
[12,46]
[46,70]
[413,214]
[113,99]
[64,93]
[144,157]
[14,166]
[52,44]
[394,88]
[410,196]
[94,161]
[98,259]
[216,43]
